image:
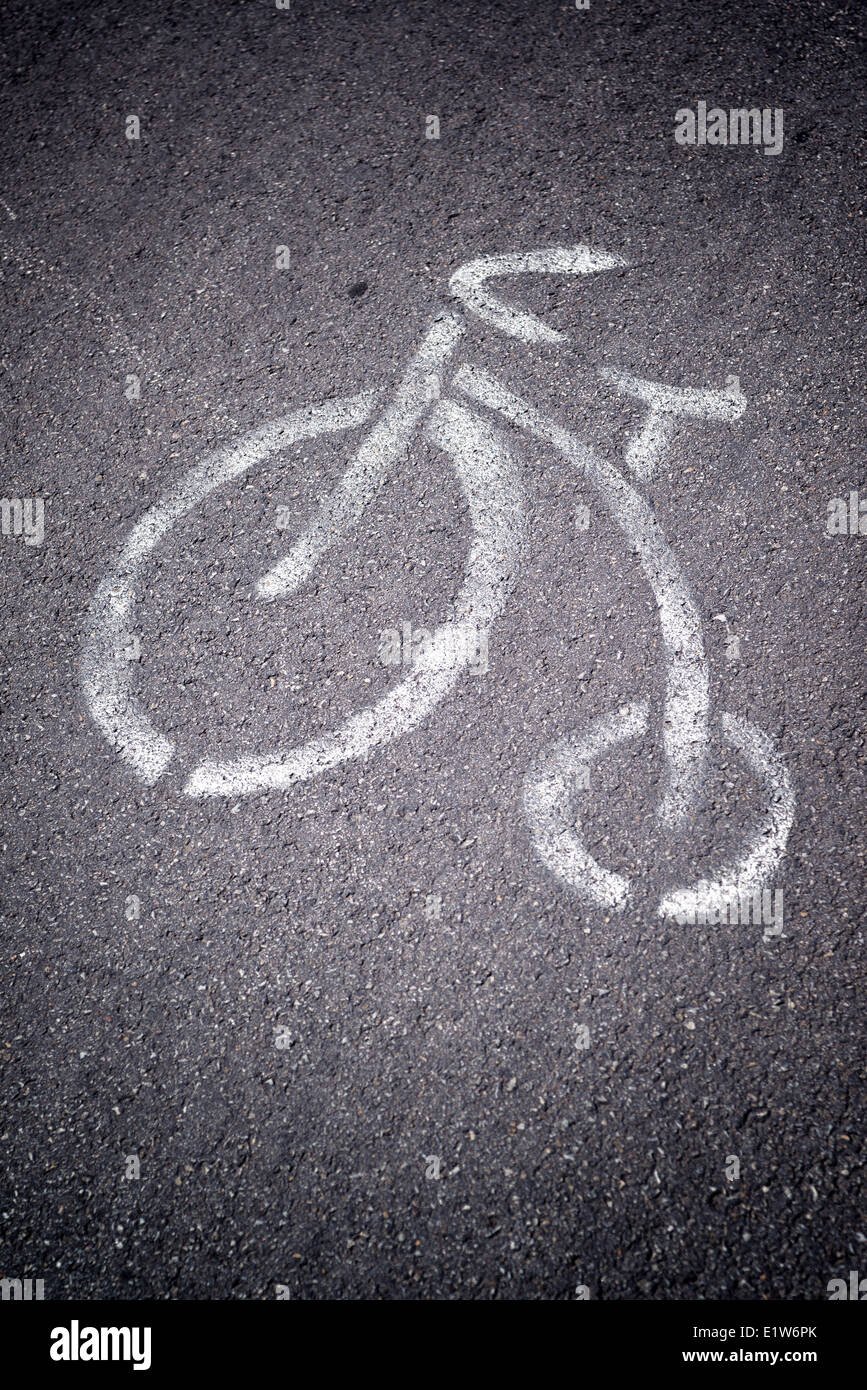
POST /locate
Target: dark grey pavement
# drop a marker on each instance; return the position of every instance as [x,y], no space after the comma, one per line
[296,1008]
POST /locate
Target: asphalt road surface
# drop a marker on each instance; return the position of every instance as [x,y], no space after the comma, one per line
[409,1023]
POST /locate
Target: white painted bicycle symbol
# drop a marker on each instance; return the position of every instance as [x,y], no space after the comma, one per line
[487,471]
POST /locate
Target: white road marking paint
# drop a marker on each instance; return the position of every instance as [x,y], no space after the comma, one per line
[548,805]
[687,695]
[665,404]
[389,438]
[759,864]
[105,669]
[468,285]
[491,484]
